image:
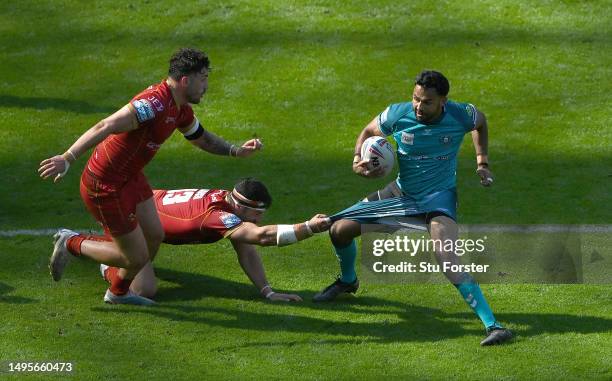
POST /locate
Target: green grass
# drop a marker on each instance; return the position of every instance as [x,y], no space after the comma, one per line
[306,77]
[210,323]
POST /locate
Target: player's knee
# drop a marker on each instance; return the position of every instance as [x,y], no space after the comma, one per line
[156,238]
[442,227]
[147,289]
[335,230]
[342,232]
[138,261]
[442,221]
[154,241]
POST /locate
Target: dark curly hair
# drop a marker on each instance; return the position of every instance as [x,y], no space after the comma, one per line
[430,79]
[187,61]
[254,190]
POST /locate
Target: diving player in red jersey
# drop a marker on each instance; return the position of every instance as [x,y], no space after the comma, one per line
[113,187]
[194,216]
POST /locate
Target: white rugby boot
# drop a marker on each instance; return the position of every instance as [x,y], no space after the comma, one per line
[129,298]
[61,256]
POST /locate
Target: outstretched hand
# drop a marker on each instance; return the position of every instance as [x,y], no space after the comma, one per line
[319,223]
[486,176]
[278,297]
[249,147]
[55,167]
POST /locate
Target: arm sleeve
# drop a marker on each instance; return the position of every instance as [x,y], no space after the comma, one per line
[465,113]
[386,119]
[147,107]
[222,223]
[187,119]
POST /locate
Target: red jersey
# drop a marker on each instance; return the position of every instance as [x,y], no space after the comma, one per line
[120,157]
[190,216]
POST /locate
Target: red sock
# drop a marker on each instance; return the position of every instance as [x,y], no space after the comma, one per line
[74,243]
[107,272]
[119,286]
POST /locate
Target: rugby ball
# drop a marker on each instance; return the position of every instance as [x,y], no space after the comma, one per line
[379,152]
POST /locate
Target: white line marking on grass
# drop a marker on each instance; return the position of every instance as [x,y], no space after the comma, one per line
[39,232]
[463,228]
[536,228]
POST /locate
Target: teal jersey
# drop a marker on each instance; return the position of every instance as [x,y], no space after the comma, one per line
[427,153]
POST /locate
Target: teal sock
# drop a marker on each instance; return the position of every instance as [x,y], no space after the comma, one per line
[347,256]
[473,296]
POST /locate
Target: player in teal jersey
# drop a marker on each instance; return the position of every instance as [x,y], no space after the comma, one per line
[428,132]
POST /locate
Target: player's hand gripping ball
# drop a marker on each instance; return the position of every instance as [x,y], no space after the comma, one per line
[379,155]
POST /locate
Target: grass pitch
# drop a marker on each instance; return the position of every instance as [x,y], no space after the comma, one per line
[305,77]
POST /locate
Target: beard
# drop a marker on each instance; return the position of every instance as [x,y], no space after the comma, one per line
[427,117]
[194,98]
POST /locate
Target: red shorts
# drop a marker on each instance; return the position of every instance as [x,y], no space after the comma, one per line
[114,205]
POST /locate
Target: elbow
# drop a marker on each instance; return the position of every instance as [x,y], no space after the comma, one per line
[266,238]
[267,241]
[103,127]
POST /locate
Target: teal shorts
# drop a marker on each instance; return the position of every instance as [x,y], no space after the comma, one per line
[392,202]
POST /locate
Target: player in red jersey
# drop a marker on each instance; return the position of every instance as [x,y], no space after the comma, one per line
[113,186]
[193,216]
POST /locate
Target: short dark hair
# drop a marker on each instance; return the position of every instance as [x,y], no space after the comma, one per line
[187,61]
[431,79]
[254,190]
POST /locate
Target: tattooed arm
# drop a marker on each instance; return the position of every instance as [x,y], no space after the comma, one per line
[214,144]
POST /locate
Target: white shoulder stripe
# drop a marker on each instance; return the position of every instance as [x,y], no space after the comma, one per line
[194,127]
[474,113]
[383,116]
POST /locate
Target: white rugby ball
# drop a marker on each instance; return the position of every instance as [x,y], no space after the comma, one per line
[379,152]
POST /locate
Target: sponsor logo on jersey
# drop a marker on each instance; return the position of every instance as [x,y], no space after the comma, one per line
[216,196]
[417,157]
[427,131]
[170,119]
[230,220]
[446,139]
[156,103]
[144,110]
[153,146]
[407,138]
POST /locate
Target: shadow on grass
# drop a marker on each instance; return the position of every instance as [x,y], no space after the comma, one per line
[404,322]
[45,103]
[278,32]
[540,323]
[5,289]
[193,286]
